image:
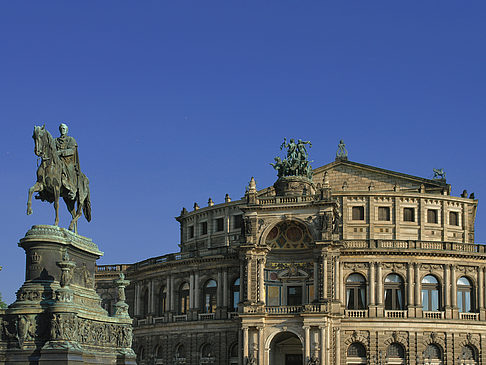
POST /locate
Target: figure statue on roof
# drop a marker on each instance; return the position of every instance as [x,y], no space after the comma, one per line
[297,161]
[439,174]
[342,152]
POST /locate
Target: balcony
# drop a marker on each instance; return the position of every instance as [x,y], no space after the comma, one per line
[205,316]
[395,313]
[180,318]
[356,313]
[469,316]
[433,314]
[415,245]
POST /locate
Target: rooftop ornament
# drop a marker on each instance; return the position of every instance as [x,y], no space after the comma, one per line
[294,171]
[297,161]
[439,174]
[342,152]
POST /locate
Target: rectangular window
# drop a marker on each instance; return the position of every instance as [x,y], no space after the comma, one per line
[204,228]
[358,213]
[190,232]
[237,221]
[408,214]
[219,225]
[383,213]
[453,218]
[294,295]
[432,215]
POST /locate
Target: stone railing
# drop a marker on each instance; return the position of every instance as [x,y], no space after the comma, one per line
[285,309]
[356,313]
[109,269]
[415,245]
[205,316]
[218,251]
[180,318]
[395,313]
[162,319]
[284,200]
[469,316]
[433,314]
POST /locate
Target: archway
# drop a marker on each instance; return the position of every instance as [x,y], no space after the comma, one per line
[286,349]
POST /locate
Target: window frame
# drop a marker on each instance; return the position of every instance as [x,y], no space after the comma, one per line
[395,288]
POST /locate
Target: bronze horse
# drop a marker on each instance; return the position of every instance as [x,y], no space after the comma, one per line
[49,183]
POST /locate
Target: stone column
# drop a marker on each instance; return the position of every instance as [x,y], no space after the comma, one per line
[225,288]
[418,291]
[337,289]
[261,268]
[261,346]
[316,282]
[328,343]
[447,287]
[338,346]
[191,290]
[245,344]
[135,301]
[410,301]
[240,348]
[306,343]
[417,286]
[324,276]
[219,291]
[481,292]
[323,345]
[453,286]
[152,297]
[372,296]
[242,281]
[379,284]
[342,296]
[172,293]
[196,290]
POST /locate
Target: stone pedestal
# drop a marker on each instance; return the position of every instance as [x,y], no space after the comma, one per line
[57,317]
[294,186]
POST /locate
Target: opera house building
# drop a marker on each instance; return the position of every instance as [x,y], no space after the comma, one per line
[341,264]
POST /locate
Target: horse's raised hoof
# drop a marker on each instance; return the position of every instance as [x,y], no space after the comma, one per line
[29,211]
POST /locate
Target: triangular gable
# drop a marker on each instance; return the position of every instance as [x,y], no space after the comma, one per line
[354,176]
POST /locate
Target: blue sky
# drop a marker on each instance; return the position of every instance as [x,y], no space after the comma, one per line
[172,102]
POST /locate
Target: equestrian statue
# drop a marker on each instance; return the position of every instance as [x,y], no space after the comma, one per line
[59,175]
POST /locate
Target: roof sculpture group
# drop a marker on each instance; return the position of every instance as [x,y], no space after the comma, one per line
[297,161]
[59,175]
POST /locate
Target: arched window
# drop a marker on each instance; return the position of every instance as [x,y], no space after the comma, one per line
[464,295]
[355,292]
[163,300]
[141,355]
[209,297]
[145,303]
[433,354]
[394,292]
[180,352]
[183,305]
[233,354]
[468,355]
[235,295]
[395,354]
[430,293]
[207,354]
[356,354]
[159,352]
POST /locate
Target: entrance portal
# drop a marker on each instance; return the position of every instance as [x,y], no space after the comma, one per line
[286,349]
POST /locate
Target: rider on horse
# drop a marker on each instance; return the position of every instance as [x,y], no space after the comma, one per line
[67,150]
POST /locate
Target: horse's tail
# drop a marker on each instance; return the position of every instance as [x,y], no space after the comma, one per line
[87,208]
